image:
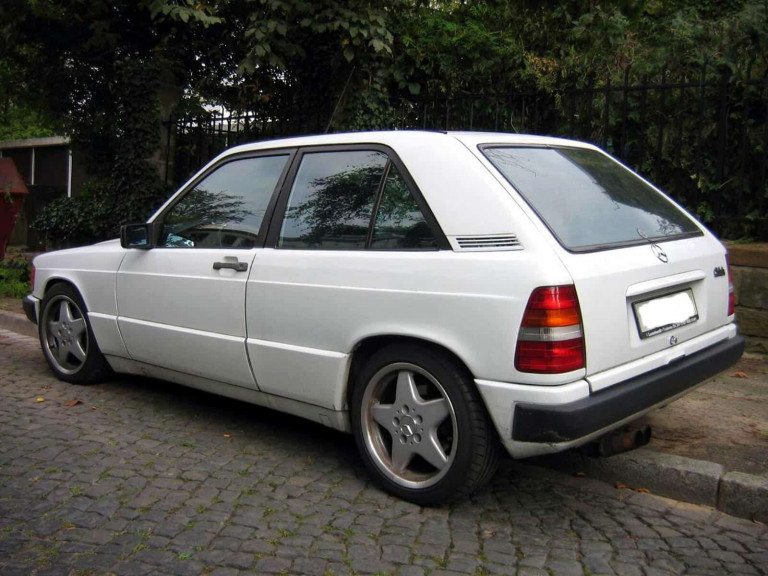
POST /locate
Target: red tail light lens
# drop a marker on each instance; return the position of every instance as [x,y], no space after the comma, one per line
[551,339]
[731,291]
[32,278]
[550,357]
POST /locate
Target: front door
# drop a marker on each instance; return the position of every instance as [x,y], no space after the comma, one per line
[181,304]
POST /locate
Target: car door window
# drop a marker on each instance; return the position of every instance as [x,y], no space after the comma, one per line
[400,224]
[332,200]
[226,208]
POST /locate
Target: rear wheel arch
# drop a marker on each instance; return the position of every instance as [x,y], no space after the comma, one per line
[367,347]
[419,422]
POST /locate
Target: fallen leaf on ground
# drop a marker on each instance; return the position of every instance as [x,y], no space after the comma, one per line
[227,436]
[94,407]
[488,533]
[72,403]
[740,374]
[621,486]
[580,474]
[643,490]
[39,399]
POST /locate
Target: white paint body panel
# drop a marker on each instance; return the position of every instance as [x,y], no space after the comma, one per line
[283,334]
[347,296]
[607,283]
[309,375]
[93,269]
[176,311]
[330,301]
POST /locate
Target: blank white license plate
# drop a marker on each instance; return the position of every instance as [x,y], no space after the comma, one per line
[665,313]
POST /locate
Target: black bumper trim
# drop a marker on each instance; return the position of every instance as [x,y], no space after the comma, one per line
[565,422]
[28,302]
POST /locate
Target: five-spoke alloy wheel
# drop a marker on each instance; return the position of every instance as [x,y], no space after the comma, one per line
[409,426]
[67,339]
[420,425]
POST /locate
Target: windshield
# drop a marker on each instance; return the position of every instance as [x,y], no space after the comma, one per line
[588,200]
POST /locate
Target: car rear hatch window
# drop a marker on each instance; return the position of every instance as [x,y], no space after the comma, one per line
[587,200]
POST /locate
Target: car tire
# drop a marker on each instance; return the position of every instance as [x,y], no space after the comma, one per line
[67,339]
[421,426]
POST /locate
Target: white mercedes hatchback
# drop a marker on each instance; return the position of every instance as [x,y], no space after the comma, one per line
[438,295]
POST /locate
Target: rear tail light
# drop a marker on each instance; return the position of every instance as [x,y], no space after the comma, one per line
[32,278]
[551,339]
[731,291]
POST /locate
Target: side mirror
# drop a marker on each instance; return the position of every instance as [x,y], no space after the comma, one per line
[136,236]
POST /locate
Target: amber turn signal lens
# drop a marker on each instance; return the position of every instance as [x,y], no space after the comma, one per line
[551,318]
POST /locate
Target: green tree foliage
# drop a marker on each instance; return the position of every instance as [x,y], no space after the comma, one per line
[20,121]
[300,52]
[17,119]
[496,46]
[676,35]
[96,65]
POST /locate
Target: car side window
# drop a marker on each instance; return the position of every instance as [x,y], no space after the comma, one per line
[400,223]
[226,208]
[332,200]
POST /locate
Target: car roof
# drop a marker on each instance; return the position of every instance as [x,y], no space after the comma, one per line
[393,137]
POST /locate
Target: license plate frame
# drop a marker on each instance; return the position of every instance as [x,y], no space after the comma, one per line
[678,309]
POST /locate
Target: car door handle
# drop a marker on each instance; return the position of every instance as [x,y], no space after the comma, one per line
[236,266]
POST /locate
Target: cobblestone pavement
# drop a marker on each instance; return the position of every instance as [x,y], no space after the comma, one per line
[144,477]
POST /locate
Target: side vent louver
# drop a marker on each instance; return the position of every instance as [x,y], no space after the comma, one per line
[494,242]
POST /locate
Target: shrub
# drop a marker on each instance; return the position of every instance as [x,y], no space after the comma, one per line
[97,213]
[14,278]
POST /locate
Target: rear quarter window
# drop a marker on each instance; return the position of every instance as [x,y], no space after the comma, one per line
[588,200]
[353,200]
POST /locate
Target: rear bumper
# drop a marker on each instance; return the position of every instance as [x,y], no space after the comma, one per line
[537,419]
[567,422]
[31,306]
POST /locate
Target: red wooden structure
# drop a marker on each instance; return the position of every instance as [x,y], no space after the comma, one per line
[12,191]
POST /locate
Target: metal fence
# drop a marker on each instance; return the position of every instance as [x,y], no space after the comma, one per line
[194,140]
[704,140]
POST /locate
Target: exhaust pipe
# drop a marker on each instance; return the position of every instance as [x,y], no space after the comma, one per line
[622,441]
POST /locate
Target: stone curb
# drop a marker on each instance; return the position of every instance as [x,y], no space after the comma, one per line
[676,477]
[17,323]
[744,495]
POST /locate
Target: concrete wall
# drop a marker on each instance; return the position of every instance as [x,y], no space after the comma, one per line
[749,263]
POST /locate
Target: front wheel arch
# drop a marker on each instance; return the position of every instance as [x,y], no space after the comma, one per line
[54,281]
[71,351]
